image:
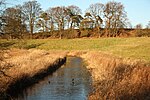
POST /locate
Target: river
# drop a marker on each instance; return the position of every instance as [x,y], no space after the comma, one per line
[72,81]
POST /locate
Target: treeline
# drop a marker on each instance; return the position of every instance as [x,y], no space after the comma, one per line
[22,21]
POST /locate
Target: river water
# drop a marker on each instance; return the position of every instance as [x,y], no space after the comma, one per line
[70,82]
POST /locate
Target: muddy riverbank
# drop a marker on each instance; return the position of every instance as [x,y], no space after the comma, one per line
[21,68]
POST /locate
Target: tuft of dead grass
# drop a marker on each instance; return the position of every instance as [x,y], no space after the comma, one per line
[27,66]
[118,78]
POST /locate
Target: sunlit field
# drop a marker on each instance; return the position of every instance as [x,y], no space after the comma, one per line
[137,48]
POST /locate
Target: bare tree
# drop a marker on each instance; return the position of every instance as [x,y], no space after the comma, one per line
[2,5]
[59,16]
[96,10]
[148,25]
[148,29]
[116,17]
[50,13]
[138,30]
[75,10]
[32,10]
[138,26]
[14,25]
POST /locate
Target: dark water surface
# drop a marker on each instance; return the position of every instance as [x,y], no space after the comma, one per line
[70,82]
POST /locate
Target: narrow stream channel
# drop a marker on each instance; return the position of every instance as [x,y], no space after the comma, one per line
[70,82]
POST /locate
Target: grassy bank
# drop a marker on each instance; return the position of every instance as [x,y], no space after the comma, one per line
[136,48]
[117,78]
[20,68]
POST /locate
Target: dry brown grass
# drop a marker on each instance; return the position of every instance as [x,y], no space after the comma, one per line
[117,78]
[114,78]
[25,65]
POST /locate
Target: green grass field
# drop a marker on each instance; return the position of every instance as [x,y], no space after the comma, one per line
[137,48]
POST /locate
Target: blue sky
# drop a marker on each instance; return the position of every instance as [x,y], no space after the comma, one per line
[138,11]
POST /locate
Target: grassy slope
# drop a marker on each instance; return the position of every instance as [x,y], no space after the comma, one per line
[137,48]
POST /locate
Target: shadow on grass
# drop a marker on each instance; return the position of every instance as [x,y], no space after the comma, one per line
[22,44]
[30,46]
[6,45]
[26,45]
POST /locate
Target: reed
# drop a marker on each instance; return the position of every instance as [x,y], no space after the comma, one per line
[118,78]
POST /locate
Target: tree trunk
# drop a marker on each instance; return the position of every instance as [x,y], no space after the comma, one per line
[31,29]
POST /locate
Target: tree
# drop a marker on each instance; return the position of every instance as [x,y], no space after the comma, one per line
[50,13]
[96,10]
[87,22]
[88,15]
[32,10]
[43,21]
[2,6]
[138,28]
[116,17]
[75,10]
[148,29]
[40,24]
[14,23]
[59,16]
[148,25]
[74,16]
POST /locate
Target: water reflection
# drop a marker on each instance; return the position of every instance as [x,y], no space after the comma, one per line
[70,82]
